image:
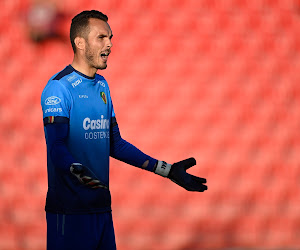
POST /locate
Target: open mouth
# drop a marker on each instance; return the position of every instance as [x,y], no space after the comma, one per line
[104,55]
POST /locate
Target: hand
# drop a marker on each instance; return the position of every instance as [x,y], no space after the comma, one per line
[189,182]
[86,176]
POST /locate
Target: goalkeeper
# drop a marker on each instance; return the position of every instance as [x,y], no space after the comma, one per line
[81,132]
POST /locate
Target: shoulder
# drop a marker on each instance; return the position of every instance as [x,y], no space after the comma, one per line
[64,77]
[65,73]
[58,86]
[101,80]
[60,81]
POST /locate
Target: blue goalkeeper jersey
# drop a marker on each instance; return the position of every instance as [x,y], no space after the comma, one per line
[86,104]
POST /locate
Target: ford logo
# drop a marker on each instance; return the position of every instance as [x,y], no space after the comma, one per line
[52,100]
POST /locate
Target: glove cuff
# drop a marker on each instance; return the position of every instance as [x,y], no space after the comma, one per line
[162,168]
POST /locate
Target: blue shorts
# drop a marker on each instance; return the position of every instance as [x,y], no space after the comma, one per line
[80,231]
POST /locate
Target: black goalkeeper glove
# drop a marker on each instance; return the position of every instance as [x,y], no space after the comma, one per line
[85,176]
[177,173]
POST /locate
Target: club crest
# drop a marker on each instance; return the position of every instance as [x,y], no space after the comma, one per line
[103,96]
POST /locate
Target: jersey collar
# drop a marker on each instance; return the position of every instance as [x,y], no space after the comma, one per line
[83,75]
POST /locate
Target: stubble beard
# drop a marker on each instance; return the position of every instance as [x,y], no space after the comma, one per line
[91,59]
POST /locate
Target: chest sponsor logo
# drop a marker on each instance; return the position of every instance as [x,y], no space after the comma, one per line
[52,100]
[96,129]
[102,123]
[103,96]
[77,82]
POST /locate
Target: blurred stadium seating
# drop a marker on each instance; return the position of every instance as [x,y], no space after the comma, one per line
[217,80]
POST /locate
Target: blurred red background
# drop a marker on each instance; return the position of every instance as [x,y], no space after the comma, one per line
[217,80]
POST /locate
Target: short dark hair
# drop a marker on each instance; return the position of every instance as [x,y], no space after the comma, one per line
[80,24]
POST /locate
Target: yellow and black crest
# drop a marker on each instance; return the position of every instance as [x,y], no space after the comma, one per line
[103,96]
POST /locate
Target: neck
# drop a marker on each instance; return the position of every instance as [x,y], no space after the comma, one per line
[80,65]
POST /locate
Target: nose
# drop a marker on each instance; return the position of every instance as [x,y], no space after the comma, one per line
[109,44]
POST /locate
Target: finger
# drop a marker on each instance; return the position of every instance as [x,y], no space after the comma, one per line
[197,184]
[197,187]
[203,188]
[99,186]
[93,183]
[187,163]
[198,179]
[86,179]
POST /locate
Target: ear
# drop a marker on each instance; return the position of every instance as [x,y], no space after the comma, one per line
[80,43]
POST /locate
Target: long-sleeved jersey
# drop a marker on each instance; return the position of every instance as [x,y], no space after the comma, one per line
[86,104]
[85,132]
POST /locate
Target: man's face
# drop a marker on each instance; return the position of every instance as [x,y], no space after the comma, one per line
[98,44]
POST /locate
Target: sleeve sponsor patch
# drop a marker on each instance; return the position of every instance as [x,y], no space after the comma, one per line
[52,100]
